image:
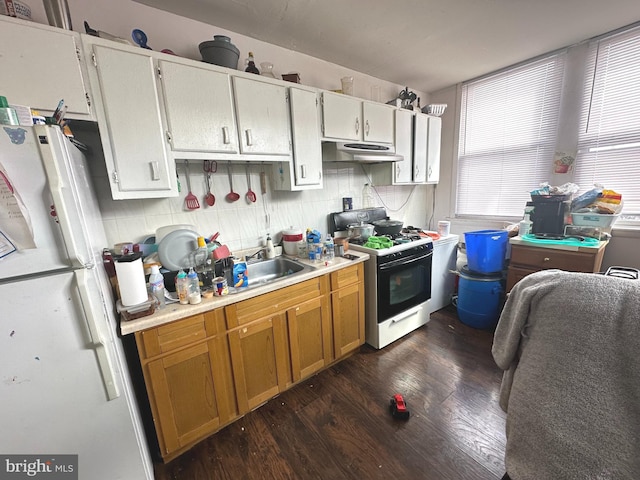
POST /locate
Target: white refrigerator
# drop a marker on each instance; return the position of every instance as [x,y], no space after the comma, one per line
[64,383]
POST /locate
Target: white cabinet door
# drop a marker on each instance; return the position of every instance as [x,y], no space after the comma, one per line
[130,123]
[199,107]
[421,132]
[341,117]
[263,118]
[307,150]
[379,122]
[40,66]
[403,171]
[433,149]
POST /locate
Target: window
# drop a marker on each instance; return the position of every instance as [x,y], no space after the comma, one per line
[609,137]
[507,138]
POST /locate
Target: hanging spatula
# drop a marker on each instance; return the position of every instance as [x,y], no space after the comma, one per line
[191,201]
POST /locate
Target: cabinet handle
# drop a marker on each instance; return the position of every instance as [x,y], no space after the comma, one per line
[546,259]
[249,137]
[366,128]
[430,172]
[155,173]
[357,126]
[303,171]
[225,135]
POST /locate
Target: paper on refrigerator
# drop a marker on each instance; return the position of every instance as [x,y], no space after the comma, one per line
[15,223]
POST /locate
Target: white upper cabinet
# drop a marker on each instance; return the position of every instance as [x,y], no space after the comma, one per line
[433,149]
[420,140]
[263,117]
[305,173]
[341,117]
[124,82]
[41,65]
[403,171]
[351,119]
[379,122]
[199,108]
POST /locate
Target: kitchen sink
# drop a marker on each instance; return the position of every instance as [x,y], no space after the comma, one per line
[272,270]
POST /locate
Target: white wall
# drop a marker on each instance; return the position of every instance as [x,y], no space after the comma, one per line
[242,225]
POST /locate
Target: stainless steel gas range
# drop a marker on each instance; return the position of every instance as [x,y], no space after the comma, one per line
[397,279]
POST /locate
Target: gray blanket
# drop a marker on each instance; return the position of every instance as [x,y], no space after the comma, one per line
[570,347]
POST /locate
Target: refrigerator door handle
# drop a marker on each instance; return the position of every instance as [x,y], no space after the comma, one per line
[56,186]
[104,361]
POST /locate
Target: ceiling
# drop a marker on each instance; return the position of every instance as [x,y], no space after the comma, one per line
[426,44]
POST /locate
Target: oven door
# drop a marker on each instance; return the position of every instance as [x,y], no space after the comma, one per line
[403,284]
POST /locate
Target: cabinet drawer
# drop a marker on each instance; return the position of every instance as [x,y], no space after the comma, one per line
[188,331]
[545,258]
[272,303]
[346,276]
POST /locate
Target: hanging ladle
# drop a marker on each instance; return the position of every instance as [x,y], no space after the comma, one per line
[209,167]
[231,196]
[251,195]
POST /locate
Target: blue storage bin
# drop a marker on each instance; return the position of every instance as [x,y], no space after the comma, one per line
[486,250]
[479,300]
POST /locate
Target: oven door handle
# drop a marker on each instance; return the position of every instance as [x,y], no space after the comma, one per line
[403,261]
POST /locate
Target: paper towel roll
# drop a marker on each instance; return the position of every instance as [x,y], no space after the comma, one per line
[131,282]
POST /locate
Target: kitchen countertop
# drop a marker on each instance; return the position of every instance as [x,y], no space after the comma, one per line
[176,311]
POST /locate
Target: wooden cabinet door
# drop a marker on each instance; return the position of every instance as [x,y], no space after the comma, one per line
[189,393]
[341,117]
[347,308]
[259,357]
[433,149]
[307,150]
[199,106]
[379,123]
[130,123]
[263,117]
[309,337]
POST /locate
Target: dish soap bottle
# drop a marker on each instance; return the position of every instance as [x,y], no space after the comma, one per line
[156,285]
[271,251]
[251,65]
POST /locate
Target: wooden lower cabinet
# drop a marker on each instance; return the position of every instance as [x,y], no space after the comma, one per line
[310,337]
[205,371]
[347,308]
[526,260]
[189,387]
[259,356]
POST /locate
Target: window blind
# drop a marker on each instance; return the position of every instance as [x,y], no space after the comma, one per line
[507,138]
[609,138]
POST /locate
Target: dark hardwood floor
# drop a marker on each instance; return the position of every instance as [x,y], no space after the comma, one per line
[337,425]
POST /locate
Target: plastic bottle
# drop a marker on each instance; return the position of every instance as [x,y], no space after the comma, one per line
[271,251]
[367,196]
[182,287]
[8,115]
[193,287]
[251,65]
[201,255]
[329,252]
[156,285]
[525,225]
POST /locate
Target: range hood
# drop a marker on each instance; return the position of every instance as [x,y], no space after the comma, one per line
[359,152]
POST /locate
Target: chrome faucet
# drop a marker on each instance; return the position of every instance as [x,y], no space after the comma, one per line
[255,256]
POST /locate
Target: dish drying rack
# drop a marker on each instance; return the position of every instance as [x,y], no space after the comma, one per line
[436,109]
